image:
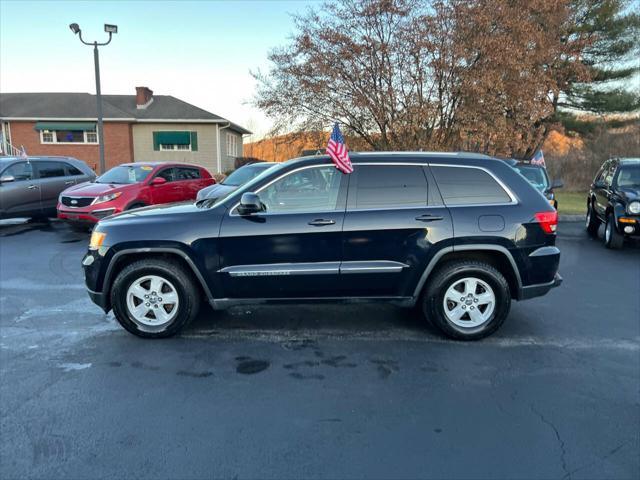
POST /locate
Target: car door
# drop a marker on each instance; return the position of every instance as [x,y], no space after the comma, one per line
[292,249]
[75,175]
[187,182]
[394,217]
[167,192]
[52,179]
[21,196]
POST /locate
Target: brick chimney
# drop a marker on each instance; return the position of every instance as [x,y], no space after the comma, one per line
[144,97]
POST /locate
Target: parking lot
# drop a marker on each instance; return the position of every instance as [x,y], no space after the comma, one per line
[317,391]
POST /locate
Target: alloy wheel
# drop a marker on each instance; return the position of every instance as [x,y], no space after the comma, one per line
[469,302]
[152,302]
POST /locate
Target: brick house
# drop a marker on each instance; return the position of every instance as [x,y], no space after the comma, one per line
[140,127]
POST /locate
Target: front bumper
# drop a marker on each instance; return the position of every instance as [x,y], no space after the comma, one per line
[74,215]
[629,225]
[540,289]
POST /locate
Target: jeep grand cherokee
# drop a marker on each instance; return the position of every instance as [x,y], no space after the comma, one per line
[457,235]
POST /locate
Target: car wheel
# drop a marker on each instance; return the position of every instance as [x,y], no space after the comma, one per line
[467,300]
[592,222]
[612,238]
[154,298]
[135,205]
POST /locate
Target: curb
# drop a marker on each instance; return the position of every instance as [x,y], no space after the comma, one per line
[571,218]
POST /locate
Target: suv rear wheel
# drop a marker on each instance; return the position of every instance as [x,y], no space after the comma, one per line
[592,222]
[154,298]
[467,300]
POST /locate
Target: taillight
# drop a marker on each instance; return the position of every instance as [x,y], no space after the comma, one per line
[548,221]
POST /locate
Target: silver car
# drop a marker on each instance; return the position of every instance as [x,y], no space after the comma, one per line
[29,187]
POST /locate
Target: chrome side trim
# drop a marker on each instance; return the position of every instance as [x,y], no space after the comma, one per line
[282,269]
[508,191]
[372,266]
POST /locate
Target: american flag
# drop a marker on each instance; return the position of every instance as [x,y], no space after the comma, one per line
[23,154]
[538,159]
[337,150]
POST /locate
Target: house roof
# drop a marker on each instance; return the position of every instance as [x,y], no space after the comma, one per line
[82,106]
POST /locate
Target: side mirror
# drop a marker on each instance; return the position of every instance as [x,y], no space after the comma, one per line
[598,184]
[158,181]
[7,179]
[557,184]
[250,203]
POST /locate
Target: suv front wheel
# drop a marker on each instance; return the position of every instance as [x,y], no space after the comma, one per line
[154,298]
[467,300]
[612,238]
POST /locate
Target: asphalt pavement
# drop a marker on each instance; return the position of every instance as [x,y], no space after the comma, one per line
[317,391]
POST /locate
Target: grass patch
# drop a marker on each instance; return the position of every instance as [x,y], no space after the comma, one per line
[571,203]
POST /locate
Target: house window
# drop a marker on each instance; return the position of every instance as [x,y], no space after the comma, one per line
[168,147]
[166,141]
[68,136]
[232,145]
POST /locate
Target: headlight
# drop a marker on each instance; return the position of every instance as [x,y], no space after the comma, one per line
[106,198]
[97,239]
[634,207]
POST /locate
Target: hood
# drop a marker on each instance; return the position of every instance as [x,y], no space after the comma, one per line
[156,211]
[630,194]
[91,189]
[215,191]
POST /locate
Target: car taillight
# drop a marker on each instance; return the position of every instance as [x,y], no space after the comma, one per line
[548,221]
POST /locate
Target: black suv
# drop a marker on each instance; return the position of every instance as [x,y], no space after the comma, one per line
[457,235]
[614,199]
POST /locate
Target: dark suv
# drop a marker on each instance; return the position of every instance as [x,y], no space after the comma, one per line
[614,200]
[458,235]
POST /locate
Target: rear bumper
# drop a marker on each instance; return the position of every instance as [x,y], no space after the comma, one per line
[540,289]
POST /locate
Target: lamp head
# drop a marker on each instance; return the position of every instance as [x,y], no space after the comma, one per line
[75,28]
[110,28]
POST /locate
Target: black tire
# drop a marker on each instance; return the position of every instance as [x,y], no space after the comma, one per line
[612,238]
[433,299]
[172,271]
[592,222]
[135,205]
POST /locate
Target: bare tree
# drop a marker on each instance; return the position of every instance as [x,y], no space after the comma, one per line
[416,74]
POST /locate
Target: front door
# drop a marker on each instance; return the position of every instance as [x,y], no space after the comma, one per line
[22,195]
[292,249]
[603,189]
[168,192]
[394,215]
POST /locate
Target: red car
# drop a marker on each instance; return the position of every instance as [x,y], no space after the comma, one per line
[128,186]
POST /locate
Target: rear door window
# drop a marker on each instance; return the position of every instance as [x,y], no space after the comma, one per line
[184,173]
[390,186]
[468,186]
[50,169]
[72,171]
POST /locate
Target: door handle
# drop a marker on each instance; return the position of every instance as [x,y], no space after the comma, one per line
[428,218]
[31,187]
[321,222]
[70,182]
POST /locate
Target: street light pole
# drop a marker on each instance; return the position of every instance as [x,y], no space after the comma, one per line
[110,29]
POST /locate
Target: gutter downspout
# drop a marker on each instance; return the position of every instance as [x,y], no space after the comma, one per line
[218,128]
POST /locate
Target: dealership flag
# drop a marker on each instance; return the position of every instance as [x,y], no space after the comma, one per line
[538,159]
[337,150]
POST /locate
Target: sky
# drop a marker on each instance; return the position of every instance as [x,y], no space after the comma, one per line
[199,51]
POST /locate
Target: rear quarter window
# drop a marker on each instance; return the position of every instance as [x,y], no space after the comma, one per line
[468,186]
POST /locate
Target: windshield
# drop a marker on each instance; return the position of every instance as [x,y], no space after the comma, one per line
[244,174]
[125,174]
[207,203]
[629,177]
[534,175]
